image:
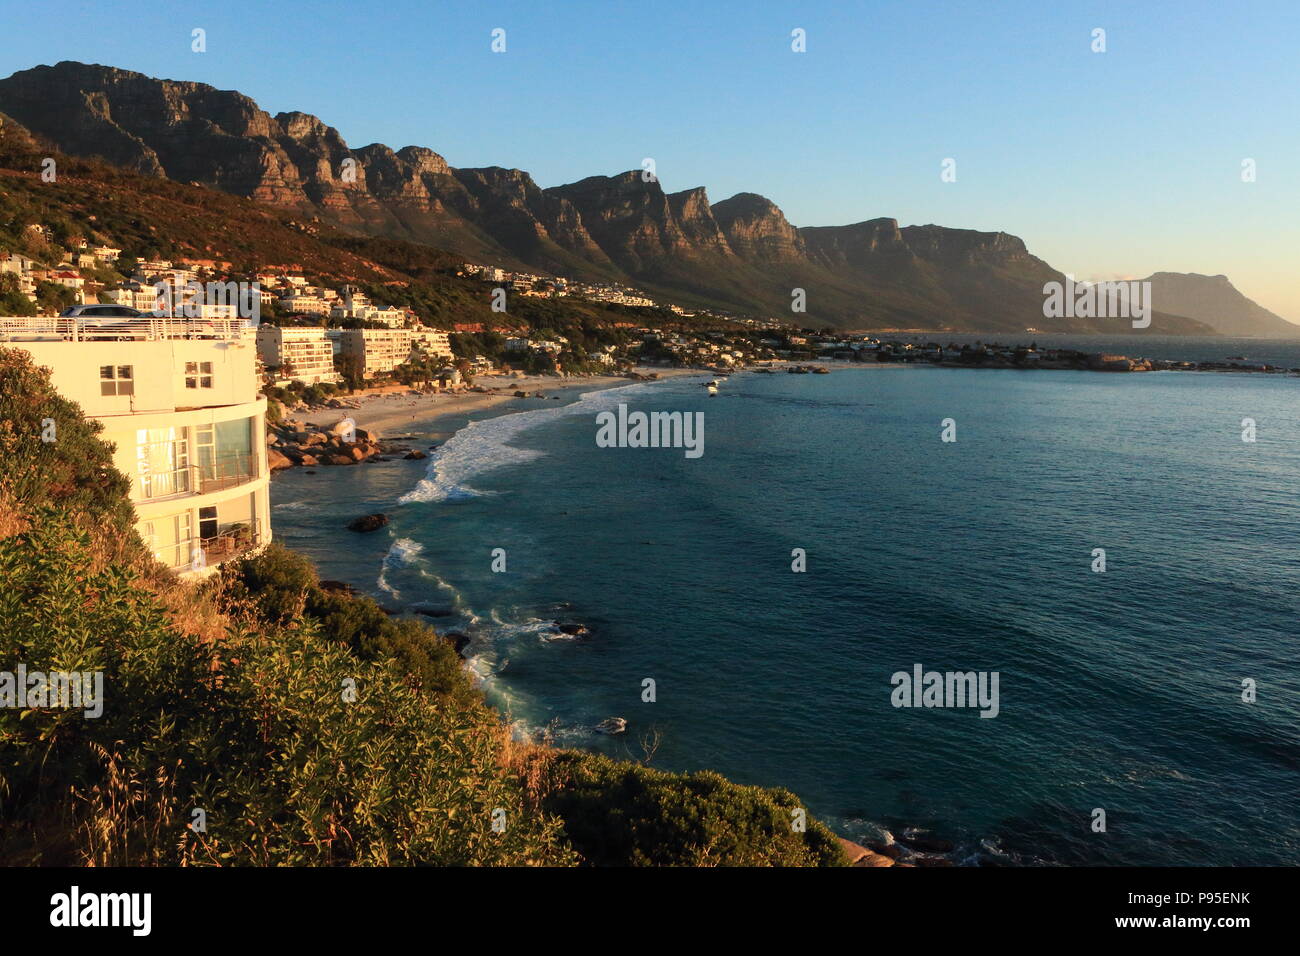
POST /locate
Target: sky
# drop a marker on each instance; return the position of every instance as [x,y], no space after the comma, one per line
[1111,164]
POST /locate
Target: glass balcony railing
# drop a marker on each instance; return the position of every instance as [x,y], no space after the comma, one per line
[217,474]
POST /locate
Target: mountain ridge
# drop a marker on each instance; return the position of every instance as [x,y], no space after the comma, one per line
[740,254]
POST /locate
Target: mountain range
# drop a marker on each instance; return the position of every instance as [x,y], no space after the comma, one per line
[740,254]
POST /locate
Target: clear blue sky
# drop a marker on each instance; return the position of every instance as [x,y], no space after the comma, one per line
[1107,164]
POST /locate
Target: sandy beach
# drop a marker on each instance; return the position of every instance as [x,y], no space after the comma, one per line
[399,412]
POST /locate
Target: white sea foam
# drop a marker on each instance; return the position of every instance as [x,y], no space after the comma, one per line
[401,554]
[486,445]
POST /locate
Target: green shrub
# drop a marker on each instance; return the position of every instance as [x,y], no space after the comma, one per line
[74,470]
[627,814]
[283,587]
[298,752]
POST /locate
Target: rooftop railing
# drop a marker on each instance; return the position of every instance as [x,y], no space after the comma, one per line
[109,329]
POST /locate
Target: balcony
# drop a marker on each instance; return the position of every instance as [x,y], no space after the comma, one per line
[222,472]
[235,540]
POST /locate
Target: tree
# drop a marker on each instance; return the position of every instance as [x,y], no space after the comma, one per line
[12,300]
[53,297]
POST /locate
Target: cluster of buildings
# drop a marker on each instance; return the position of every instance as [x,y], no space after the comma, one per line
[527,284]
[67,273]
[308,354]
[293,295]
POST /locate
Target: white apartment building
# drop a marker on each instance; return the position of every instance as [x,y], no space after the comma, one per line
[376,350]
[305,304]
[432,342]
[186,421]
[142,299]
[307,353]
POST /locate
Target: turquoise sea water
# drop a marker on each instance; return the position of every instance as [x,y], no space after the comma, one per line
[1120,690]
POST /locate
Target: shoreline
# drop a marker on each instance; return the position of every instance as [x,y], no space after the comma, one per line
[400,412]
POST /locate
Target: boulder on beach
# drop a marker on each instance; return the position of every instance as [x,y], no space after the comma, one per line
[368,523]
[276,461]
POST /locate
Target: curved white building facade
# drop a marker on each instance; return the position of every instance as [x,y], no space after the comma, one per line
[179,402]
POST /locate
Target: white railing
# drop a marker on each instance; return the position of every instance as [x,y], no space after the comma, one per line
[144,328]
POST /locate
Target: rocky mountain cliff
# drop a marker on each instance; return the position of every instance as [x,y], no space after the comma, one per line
[740,253]
[1216,302]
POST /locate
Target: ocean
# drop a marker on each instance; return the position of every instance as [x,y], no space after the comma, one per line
[1119,691]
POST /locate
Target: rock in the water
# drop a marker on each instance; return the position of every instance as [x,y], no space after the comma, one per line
[574,629]
[891,850]
[368,523]
[433,611]
[414,455]
[276,461]
[926,844]
[612,725]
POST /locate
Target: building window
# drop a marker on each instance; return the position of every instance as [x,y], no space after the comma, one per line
[207,523]
[198,374]
[116,380]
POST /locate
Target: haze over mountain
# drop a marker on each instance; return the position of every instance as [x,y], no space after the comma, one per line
[739,254]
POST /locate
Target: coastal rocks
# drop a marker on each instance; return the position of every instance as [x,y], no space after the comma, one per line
[414,456]
[573,630]
[294,443]
[428,611]
[891,850]
[276,461]
[925,844]
[458,641]
[859,855]
[612,725]
[368,523]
